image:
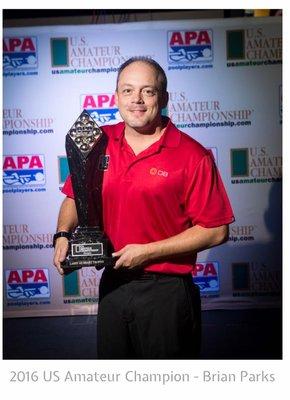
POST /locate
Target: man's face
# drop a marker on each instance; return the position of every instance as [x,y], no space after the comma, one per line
[139,97]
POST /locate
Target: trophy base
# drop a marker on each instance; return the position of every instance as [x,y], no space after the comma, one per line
[88,247]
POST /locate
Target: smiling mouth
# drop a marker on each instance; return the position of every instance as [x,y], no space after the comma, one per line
[137,112]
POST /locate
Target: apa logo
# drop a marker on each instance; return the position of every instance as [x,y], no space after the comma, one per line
[101,107]
[190,46]
[27,284]
[20,170]
[19,53]
[206,276]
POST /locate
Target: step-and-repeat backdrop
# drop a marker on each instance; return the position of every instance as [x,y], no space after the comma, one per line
[225,91]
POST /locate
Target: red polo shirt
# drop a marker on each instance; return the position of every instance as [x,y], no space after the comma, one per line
[167,188]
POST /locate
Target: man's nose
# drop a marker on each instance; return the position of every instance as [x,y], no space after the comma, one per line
[137,97]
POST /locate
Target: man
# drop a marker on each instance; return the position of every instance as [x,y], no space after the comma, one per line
[163,201]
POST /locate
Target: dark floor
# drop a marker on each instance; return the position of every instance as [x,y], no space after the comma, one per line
[238,334]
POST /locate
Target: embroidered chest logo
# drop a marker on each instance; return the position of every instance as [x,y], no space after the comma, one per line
[103,162]
[158,172]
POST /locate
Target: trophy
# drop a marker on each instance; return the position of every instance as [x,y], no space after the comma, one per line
[85,148]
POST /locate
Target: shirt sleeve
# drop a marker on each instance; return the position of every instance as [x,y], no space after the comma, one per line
[206,200]
[67,188]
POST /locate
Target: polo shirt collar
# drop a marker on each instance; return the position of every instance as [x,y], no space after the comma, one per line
[170,137]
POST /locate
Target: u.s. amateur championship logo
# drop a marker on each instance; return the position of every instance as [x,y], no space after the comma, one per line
[81,55]
[253,47]
[19,53]
[257,164]
[190,48]
[101,107]
[206,276]
[23,170]
[27,284]
[256,279]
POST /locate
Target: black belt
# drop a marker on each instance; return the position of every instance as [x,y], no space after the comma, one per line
[141,275]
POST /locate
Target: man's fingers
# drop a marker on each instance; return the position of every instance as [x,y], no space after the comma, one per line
[60,255]
[118,253]
[119,263]
[60,270]
[58,266]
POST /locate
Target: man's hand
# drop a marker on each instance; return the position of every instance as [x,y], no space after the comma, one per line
[60,252]
[131,256]
[188,242]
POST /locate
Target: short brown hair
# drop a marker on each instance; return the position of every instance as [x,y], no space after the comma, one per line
[160,71]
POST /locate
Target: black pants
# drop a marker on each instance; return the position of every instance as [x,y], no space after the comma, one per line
[148,316]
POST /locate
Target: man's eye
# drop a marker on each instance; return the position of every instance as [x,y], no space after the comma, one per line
[127,91]
[149,92]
